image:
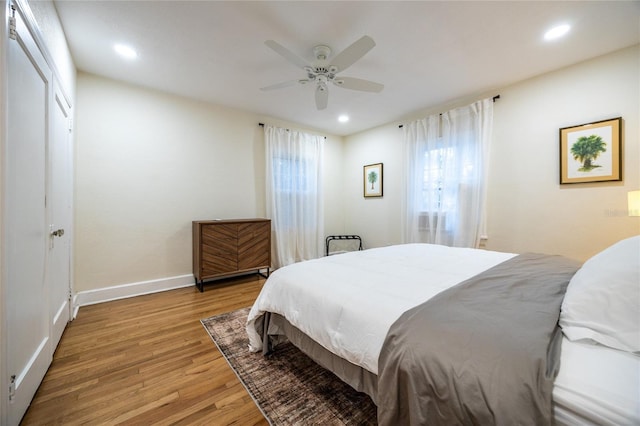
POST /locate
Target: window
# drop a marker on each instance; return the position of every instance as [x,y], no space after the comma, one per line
[294,194]
[432,185]
[295,182]
[289,175]
[444,158]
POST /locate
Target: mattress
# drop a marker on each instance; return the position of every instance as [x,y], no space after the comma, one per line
[596,385]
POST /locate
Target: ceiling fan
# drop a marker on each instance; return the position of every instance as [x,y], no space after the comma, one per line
[324,71]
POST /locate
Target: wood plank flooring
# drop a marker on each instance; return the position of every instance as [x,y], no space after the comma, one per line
[148,360]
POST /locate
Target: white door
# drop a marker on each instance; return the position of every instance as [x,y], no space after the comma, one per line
[28,343]
[59,209]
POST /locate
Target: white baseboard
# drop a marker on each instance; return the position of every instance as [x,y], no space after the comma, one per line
[106,294]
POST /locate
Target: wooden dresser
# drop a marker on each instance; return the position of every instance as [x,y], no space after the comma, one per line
[222,248]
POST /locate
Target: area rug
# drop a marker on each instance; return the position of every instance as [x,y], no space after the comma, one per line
[288,387]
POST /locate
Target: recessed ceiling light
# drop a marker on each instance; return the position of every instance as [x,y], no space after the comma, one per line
[125,51]
[557,32]
[343,118]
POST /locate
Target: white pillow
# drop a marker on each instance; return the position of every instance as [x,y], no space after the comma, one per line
[602,303]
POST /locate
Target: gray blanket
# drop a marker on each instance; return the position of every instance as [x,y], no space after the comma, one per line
[484,352]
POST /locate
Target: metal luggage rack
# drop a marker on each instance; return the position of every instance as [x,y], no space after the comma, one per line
[341,237]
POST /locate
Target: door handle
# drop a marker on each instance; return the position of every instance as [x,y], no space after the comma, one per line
[58,233]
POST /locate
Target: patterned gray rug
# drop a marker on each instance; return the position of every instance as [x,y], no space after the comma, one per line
[288,387]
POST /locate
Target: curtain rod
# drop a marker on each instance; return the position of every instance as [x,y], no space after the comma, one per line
[495,98]
[262,125]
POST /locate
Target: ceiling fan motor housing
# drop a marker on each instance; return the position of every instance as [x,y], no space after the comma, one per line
[323,72]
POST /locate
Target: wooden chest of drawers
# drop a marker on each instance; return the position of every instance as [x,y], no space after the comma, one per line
[222,248]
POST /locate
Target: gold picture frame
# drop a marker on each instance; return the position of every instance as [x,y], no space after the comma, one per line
[591,152]
[372,179]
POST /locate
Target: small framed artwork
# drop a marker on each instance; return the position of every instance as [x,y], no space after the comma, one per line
[591,152]
[373,180]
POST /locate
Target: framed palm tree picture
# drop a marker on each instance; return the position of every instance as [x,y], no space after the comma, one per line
[591,152]
[373,180]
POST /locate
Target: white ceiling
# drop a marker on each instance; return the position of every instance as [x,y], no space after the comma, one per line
[427,53]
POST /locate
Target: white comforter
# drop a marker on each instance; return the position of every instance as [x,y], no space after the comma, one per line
[348,302]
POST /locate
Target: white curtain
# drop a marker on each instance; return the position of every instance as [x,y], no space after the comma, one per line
[294,194]
[446,163]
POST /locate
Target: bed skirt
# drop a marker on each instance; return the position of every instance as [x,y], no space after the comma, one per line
[278,329]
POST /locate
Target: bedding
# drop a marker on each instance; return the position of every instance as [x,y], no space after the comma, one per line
[595,386]
[339,309]
[485,351]
[609,280]
[348,302]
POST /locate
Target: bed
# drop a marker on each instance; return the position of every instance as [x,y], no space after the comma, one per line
[564,348]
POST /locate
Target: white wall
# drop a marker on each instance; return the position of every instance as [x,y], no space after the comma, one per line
[375,219]
[528,209]
[149,163]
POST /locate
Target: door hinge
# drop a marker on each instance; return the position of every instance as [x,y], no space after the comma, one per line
[12,388]
[13,33]
[70,296]
[71,124]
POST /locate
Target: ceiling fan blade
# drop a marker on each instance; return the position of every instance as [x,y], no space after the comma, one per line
[351,54]
[287,54]
[322,97]
[280,85]
[358,84]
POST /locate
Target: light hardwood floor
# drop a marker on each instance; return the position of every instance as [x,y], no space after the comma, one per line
[148,360]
